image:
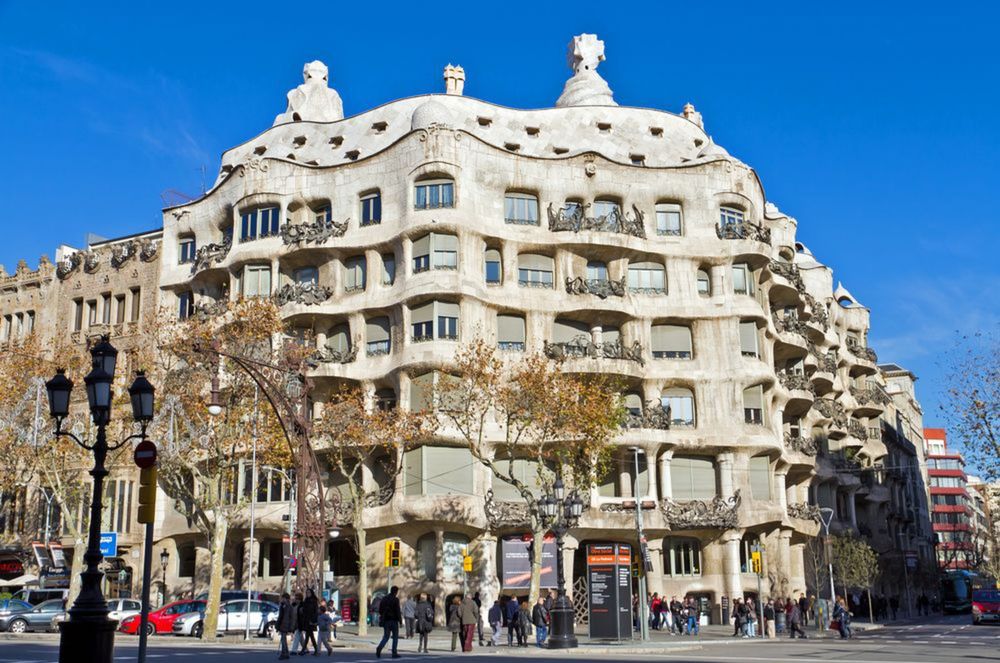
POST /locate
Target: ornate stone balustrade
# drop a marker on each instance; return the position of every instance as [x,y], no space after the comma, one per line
[575,220]
[703,514]
[654,416]
[870,395]
[796,381]
[789,272]
[744,230]
[857,429]
[817,312]
[328,355]
[861,352]
[584,346]
[804,445]
[804,511]
[505,514]
[831,409]
[315,232]
[603,288]
[210,254]
[307,293]
[344,509]
[789,323]
[209,309]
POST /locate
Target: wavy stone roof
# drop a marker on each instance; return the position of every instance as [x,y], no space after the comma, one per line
[619,133]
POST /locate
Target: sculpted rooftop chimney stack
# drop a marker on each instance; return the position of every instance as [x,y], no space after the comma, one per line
[691,114]
[586,87]
[314,100]
[454,80]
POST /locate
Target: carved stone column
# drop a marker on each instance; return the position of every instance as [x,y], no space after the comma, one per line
[651,473]
[488,580]
[719,283]
[779,489]
[654,581]
[852,511]
[570,545]
[725,462]
[733,581]
[666,487]
[625,470]
[251,555]
[785,558]
[441,613]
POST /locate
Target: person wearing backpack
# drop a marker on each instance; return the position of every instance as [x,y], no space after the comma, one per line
[424,614]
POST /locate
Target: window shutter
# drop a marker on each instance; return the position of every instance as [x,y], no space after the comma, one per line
[377,329]
[534,261]
[340,338]
[564,331]
[444,242]
[760,478]
[748,337]
[447,309]
[422,246]
[452,471]
[671,338]
[424,313]
[753,397]
[610,334]
[510,329]
[413,478]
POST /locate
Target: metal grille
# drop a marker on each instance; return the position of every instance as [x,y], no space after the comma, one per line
[580,601]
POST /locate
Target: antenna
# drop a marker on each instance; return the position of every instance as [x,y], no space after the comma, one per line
[171,197]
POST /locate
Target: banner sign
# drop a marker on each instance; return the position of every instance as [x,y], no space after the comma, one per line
[109,544]
[41,555]
[609,590]
[516,561]
[58,558]
[10,568]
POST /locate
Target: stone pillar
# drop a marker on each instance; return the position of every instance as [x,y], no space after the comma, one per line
[725,461]
[654,581]
[779,488]
[851,510]
[487,577]
[251,556]
[441,611]
[797,572]
[625,470]
[733,580]
[719,283]
[275,275]
[651,472]
[570,545]
[666,488]
[785,569]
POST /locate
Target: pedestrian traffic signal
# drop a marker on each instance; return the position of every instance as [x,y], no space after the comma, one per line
[755,562]
[147,495]
[392,557]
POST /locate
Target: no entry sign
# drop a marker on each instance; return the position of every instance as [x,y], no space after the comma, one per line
[145,454]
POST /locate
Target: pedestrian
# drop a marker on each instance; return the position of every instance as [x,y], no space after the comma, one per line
[479,622]
[743,618]
[409,615]
[894,605]
[540,620]
[769,629]
[843,618]
[373,610]
[469,615]
[324,622]
[510,616]
[425,622]
[675,614]
[299,634]
[308,614]
[795,622]
[655,607]
[286,624]
[455,621]
[390,614]
[693,618]
[804,608]
[495,617]
[523,624]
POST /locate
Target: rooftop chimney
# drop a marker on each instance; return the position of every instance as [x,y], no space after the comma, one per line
[454,80]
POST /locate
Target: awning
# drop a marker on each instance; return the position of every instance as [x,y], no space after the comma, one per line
[20,581]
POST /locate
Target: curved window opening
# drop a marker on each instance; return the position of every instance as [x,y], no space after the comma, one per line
[679,404]
[671,342]
[704,283]
[493,267]
[668,219]
[377,336]
[521,209]
[434,194]
[753,405]
[647,278]
[371,209]
[534,271]
[692,478]
[511,333]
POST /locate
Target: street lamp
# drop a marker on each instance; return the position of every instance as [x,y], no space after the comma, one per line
[164,560]
[826,517]
[560,512]
[88,635]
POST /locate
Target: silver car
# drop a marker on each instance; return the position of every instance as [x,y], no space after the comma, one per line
[233,618]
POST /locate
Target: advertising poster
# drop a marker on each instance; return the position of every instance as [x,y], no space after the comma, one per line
[609,590]
[516,562]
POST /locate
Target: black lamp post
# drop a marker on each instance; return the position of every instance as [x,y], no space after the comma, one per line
[88,635]
[561,512]
[164,560]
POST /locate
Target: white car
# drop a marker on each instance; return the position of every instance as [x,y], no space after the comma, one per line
[121,609]
[233,617]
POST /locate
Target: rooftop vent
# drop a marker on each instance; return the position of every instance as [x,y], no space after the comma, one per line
[259,150]
[656,132]
[379,127]
[299,141]
[532,131]
[353,155]
[560,150]
[336,141]
[604,127]
[637,159]
[513,147]
[484,121]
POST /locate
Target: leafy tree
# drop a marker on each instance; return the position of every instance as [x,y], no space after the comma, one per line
[528,409]
[972,407]
[855,564]
[353,432]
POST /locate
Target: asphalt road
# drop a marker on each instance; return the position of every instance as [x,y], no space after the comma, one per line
[944,640]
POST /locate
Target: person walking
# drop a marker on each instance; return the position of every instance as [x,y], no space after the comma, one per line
[675,614]
[479,622]
[843,618]
[390,614]
[769,630]
[751,618]
[655,607]
[324,622]
[804,609]
[894,605]
[693,618]
[523,623]
[308,614]
[795,622]
[495,618]
[425,622]
[469,616]
[540,620]
[298,634]
[510,616]
[287,620]
[455,621]
[409,615]
[373,611]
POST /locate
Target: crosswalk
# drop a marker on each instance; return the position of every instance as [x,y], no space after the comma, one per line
[938,634]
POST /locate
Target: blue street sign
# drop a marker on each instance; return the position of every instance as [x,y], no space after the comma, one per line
[109,544]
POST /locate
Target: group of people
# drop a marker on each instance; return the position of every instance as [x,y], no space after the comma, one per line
[301,618]
[683,618]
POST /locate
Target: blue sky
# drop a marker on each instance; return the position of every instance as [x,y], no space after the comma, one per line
[876,128]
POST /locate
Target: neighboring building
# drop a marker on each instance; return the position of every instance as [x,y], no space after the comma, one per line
[623,240]
[951,504]
[983,497]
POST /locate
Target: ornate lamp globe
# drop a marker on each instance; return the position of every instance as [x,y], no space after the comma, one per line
[59,389]
[104,355]
[141,394]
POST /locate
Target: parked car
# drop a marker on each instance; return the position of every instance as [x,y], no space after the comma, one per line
[36,596]
[233,617]
[7,606]
[985,606]
[121,609]
[162,620]
[33,618]
[237,594]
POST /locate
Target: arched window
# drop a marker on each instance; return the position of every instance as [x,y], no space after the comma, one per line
[597,271]
[759,470]
[306,275]
[520,208]
[704,283]
[434,194]
[680,402]
[534,271]
[260,222]
[681,557]
[455,548]
[692,478]
[493,267]
[436,250]
[427,555]
[377,336]
[256,281]
[339,339]
[647,278]
[668,219]
[742,279]
[748,339]
[388,268]
[510,332]
[607,207]
[633,403]
[753,405]
[355,274]
[730,216]
[371,209]
[671,342]
[435,320]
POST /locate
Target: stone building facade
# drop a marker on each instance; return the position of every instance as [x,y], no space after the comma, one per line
[621,240]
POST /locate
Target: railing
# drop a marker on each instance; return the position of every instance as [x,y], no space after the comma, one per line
[378,348]
[583,346]
[329,355]
[789,323]
[315,232]
[860,351]
[653,416]
[307,293]
[796,382]
[718,513]
[603,288]
[804,511]
[743,230]
[789,272]
[614,222]
[423,338]
[804,445]
[528,283]
[870,395]
[523,222]
[511,346]
[208,254]
[672,354]
[857,429]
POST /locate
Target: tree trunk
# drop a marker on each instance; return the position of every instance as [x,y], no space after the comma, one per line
[362,538]
[871,615]
[535,588]
[217,548]
[76,568]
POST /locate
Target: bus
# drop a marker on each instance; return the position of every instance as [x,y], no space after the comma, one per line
[956,591]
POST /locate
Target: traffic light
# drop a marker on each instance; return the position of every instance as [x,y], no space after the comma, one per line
[635,567]
[391,553]
[755,562]
[147,495]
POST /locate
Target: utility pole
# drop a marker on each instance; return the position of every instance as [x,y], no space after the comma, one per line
[643,554]
[253,504]
[826,517]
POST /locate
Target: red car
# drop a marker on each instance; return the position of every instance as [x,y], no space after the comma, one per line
[162,620]
[985,606]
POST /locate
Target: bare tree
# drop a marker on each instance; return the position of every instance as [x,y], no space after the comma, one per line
[972,407]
